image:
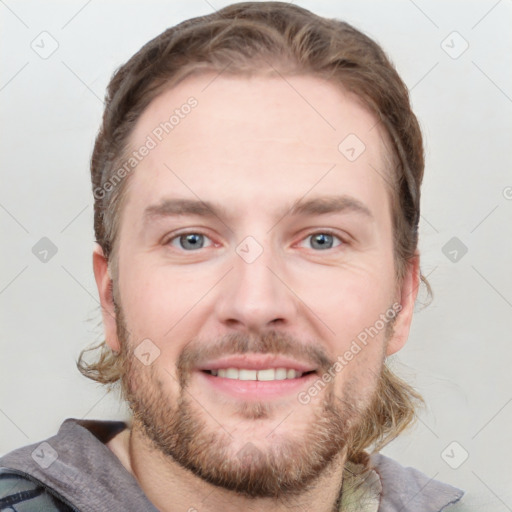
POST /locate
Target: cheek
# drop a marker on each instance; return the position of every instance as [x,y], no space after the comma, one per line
[160,305]
[352,303]
[347,300]
[149,305]
[155,295]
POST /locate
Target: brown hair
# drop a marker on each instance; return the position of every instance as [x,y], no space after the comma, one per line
[251,38]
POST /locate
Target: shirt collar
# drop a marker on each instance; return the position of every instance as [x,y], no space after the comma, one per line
[384,485]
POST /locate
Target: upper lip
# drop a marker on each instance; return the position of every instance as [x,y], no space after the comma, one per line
[257,362]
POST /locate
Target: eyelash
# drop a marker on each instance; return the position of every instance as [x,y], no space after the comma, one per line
[323,232]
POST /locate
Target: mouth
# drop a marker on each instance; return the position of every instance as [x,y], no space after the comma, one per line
[263,375]
[257,377]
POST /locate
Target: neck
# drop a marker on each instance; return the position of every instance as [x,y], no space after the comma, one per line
[171,487]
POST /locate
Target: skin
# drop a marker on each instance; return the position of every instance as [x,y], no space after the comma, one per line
[254,146]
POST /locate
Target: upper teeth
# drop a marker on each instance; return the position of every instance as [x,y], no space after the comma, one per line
[267,374]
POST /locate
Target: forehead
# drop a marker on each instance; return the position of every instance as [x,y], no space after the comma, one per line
[315,110]
[264,137]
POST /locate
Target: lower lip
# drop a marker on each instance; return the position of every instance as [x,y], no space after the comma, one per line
[257,389]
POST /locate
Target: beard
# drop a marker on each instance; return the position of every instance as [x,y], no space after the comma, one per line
[182,429]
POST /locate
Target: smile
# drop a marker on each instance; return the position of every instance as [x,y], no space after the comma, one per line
[267,374]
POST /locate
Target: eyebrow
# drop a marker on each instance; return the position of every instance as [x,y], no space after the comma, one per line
[330,204]
[317,206]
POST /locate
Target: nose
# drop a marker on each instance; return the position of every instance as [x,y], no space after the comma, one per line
[255,295]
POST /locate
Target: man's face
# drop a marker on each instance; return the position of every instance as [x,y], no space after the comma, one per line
[254,246]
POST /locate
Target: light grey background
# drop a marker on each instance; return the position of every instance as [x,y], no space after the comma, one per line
[459,352]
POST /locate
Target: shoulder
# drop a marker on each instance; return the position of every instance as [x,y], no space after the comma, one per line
[24,494]
[44,476]
[408,489]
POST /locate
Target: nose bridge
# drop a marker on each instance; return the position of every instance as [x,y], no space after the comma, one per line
[254,296]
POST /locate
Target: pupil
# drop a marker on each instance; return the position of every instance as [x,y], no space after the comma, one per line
[322,240]
[191,241]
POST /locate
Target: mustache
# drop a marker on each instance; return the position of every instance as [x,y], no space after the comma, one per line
[197,352]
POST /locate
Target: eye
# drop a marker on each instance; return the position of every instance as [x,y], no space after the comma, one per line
[323,240]
[190,241]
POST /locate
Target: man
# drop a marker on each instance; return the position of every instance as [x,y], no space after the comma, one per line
[257,195]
